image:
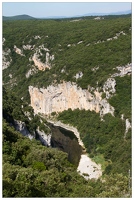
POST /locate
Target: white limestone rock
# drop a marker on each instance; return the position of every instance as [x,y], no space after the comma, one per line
[10,75]
[80,42]
[28,47]
[37,37]
[109,87]
[6,59]
[128,126]
[67,95]
[21,127]
[124,70]
[78,75]
[18,51]
[44,138]
[30,72]
[35,58]
[41,66]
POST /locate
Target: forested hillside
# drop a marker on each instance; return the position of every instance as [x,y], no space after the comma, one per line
[77,71]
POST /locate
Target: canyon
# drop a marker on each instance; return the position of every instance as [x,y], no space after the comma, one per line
[76,150]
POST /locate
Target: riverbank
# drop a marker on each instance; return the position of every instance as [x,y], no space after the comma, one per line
[89,169]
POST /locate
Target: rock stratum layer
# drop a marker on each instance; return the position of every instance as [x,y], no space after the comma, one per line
[67,95]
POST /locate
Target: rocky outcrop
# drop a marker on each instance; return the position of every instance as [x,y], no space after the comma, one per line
[6,59]
[128,126]
[98,18]
[28,47]
[18,51]
[36,37]
[40,134]
[43,137]
[40,65]
[109,87]
[78,75]
[124,70]
[67,95]
[21,127]
[127,123]
[31,72]
[3,40]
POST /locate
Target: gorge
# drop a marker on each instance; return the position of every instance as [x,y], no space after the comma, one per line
[67,107]
[67,138]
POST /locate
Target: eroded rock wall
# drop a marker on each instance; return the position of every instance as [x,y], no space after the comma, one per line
[21,127]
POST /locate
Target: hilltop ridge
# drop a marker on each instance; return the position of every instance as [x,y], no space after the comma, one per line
[28,17]
[18,17]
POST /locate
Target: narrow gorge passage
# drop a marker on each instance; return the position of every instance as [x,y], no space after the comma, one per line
[67,139]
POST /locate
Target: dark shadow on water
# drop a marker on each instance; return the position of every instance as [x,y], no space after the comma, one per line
[65,140]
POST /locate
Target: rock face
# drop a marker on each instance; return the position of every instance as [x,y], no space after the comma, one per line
[18,51]
[28,47]
[128,126]
[124,70]
[67,95]
[44,138]
[78,75]
[21,127]
[39,64]
[109,87]
[6,59]
[30,72]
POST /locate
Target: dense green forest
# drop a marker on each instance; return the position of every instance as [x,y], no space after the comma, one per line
[56,35]
[33,170]
[77,45]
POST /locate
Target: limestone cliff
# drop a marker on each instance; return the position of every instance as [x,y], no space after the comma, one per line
[67,95]
[43,137]
[40,134]
[21,127]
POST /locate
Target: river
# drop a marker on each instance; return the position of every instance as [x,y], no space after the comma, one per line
[67,139]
